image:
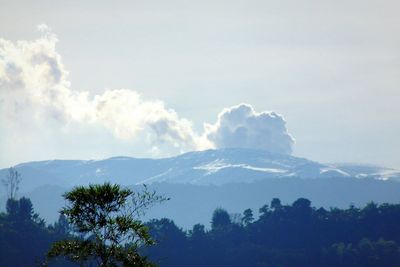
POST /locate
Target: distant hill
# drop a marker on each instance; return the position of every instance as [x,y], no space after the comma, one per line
[198,182]
[192,204]
[210,167]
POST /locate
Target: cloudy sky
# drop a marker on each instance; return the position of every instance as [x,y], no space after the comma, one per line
[93,79]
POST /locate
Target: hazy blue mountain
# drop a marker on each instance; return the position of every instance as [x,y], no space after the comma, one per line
[369,171]
[192,204]
[201,168]
[198,182]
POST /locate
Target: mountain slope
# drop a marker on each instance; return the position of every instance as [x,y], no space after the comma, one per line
[202,168]
[198,182]
[190,204]
[369,171]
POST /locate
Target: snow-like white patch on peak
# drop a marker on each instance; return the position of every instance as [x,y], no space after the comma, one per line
[157,178]
[213,166]
[273,170]
[218,165]
[333,170]
[388,174]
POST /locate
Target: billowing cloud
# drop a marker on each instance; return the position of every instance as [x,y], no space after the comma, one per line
[35,92]
[241,126]
[34,83]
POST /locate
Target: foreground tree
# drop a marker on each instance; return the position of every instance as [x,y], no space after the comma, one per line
[108,231]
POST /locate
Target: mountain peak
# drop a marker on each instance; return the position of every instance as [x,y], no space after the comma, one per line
[214,166]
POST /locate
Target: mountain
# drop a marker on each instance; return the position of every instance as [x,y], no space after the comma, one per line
[199,182]
[210,167]
[369,171]
[191,204]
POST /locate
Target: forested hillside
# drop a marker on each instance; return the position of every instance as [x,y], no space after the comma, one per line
[283,235]
[24,236]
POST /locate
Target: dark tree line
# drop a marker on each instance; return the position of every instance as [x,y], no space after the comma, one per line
[99,226]
[24,237]
[284,235]
[106,231]
[279,235]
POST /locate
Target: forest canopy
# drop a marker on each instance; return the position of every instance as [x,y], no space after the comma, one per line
[295,234]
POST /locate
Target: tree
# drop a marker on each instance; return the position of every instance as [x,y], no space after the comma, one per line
[276,204]
[172,241]
[11,182]
[302,207]
[24,237]
[62,226]
[220,219]
[22,211]
[197,232]
[108,231]
[247,217]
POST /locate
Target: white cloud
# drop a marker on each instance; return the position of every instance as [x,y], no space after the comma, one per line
[34,83]
[37,101]
[242,126]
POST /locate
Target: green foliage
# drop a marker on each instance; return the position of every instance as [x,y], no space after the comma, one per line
[21,211]
[24,238]
[197,232]
[283,235]
[276,204]
[287,235]
[62,226]
[105,219]
[169,237]
[220,219]
[247,217]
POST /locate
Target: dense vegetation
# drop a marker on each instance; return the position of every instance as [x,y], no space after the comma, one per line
[282,235]
[106,227]
[24,237]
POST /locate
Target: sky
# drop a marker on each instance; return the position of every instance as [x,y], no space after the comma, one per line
[95,79]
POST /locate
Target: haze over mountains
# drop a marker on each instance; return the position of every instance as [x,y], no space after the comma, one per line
[210,167]
[198,182]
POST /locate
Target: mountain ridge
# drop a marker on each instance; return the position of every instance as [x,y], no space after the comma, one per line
[208,167]
[198,182]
